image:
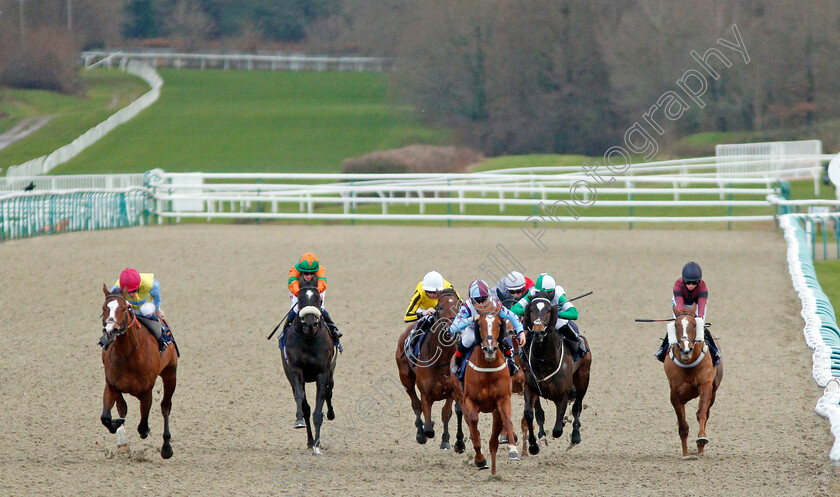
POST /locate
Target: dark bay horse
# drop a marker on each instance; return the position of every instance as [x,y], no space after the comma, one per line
[551,372]
[310,356]
[133,362]
[691,374]
[487,387]
[429,371]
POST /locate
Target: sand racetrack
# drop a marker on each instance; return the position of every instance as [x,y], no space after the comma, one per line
[233,410]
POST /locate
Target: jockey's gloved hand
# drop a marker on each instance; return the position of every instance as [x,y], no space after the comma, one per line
[429,311]
[160,311]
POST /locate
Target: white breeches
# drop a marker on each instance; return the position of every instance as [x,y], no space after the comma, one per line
[468,336]
[146,310]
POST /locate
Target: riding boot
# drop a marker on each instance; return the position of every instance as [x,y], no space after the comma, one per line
[663,350]
[460,352]
[290,317]
[334,333]
[567,332]
[712,346]
[506,346]
[164,341]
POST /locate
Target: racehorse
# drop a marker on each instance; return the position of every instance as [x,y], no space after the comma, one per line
[310,356]
[487,387]
[133,362]
[691,374]
[429,371]
[552,374]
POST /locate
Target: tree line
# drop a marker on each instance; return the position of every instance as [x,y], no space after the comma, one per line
[509,76]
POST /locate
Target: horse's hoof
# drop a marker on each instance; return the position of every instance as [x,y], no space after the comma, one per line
[166,451]
[123,449]
[316,451]
[300,423]
[481,464]
[534,449]
[330,414]
[575,438]
[445,446]
[503,439]
[421,439]
[556,433]
[702,441]
[429,433]
[143,433]
[544,440]
[514,456]
[460,447]
[689,458]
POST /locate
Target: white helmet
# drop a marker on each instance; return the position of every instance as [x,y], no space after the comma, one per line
[515,281]
[433,282]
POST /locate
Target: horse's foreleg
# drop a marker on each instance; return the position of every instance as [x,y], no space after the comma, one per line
[428,424]
[679,409]
[460,446]
[539,413]
[494,439]
[528,415]
[560,404]
[168,377]
[109,396]
[471,417]
[318,413]
[145,407]
[703,406]
[328,397]
[445,416]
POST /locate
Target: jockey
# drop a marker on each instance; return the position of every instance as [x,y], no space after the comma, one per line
[424,302]
[143,294]
[464,323]
[567,312]
[689,290]
[511,288]
[308,272]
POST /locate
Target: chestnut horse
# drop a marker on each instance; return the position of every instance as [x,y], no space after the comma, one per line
[132,363]
[487,387]
[310,356]
[551,372]
[691,374]
[429,371]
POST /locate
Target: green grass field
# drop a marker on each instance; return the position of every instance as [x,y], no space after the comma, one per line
[235,121]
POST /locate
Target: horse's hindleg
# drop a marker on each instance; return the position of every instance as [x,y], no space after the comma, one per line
[679,409]
[408,380]
[507,426]
[109,396]
[460,446]
[168,377]
[445,416]
[145,406]
[318,413]
[528,416]
[581,382]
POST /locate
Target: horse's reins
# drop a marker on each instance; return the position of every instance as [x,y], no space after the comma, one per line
[126,325]
[696,341]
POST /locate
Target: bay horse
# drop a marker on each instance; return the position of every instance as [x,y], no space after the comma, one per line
[487,386]
[429,371]
[551,372]
[691,374]
[133,362]
[310,356]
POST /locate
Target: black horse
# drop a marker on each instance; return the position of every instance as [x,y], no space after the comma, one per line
[310,356]
[550,371]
